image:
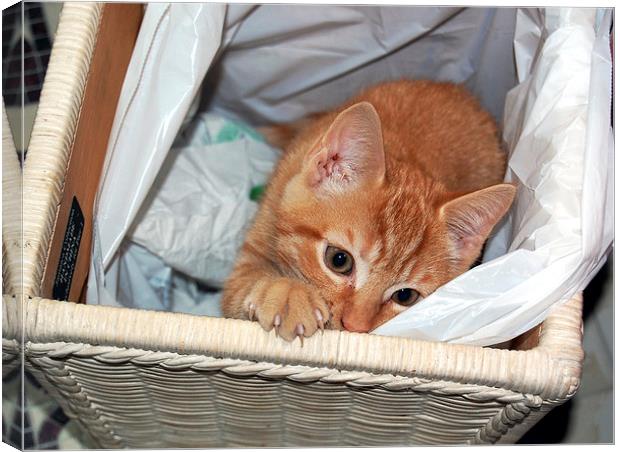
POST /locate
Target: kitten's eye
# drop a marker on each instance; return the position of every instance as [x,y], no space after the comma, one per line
[405,297]
[338,260]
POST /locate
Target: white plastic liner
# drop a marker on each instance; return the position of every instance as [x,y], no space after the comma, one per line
[197,212]
[280,62]
[284,61]
[174,49]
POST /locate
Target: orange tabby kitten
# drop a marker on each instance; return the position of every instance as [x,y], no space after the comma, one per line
[373,205]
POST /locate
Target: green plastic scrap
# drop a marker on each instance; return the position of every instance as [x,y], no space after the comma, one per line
[257,192]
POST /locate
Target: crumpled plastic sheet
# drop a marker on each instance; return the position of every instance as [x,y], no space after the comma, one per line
[282,62]
[197,212]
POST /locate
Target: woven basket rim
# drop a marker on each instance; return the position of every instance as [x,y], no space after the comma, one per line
[551,370]
[52,135]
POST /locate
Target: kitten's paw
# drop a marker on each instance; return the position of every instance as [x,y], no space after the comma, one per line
[291,307]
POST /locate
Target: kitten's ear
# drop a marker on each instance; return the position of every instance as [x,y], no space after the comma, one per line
[350,154]
[470,218]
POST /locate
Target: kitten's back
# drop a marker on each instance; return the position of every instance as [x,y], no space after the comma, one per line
[438,127]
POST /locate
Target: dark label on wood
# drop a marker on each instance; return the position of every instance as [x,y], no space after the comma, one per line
[69,252]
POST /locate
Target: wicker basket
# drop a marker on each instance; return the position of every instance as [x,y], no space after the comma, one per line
[135,378]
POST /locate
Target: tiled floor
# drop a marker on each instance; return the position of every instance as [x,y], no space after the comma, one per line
[45,424]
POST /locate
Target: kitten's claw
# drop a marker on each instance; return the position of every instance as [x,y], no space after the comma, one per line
[299,331]
[277,321]
[287,307]
[252,311]
[320,321]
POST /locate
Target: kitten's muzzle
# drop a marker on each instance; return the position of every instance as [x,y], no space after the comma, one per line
[355,327]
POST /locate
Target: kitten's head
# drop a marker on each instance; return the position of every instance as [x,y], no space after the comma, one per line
[375,237]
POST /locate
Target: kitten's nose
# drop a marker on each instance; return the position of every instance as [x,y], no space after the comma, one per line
[354,327]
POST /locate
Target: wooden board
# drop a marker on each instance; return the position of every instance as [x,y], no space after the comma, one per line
[68,259]
[528,340]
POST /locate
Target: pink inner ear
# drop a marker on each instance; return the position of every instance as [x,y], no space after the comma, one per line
[331,165]
[350,153]
[321,163]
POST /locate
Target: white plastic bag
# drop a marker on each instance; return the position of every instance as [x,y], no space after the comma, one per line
[160,85]
[141,279]
[281,62]
[197,212]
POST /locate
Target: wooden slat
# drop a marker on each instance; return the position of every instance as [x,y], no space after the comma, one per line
[117,35]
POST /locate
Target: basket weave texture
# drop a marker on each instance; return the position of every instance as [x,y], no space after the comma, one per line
[135,378]
[152,379]
[11,211]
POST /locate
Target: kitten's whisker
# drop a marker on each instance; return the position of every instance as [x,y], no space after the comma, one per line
[320,321]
